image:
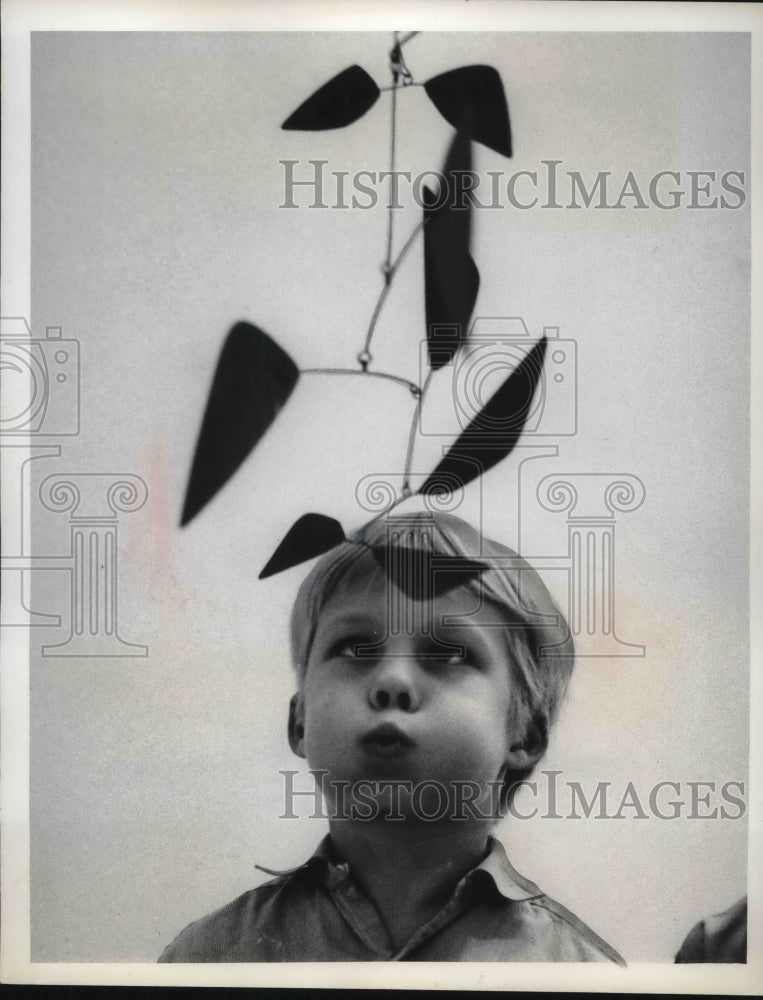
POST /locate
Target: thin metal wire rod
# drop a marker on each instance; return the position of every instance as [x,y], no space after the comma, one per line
[400,86]
[412,432]
[411,386]
[406,38]
[395,77]
[387,285]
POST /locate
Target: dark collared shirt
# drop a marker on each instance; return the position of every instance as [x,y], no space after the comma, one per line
[315,913]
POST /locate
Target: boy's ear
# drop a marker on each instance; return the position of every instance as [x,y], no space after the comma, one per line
[297,725]
[524,754]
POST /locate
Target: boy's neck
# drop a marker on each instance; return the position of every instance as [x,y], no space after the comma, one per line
[408,870]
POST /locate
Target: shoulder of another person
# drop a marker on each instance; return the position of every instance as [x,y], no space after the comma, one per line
[720,938]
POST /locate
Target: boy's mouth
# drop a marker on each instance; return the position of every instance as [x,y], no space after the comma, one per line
[387,739]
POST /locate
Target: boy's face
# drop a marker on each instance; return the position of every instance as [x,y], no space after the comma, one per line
[413,708]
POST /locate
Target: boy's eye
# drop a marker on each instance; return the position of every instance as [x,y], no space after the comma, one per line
[349,649]
[364,648]
[459,657]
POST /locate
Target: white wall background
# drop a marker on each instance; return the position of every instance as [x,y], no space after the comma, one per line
[155,225]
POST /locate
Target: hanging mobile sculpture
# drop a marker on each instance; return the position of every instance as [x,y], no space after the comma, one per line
[255,377]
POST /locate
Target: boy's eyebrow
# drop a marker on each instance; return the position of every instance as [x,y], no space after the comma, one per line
[469,628]
[351,620]
[467,635]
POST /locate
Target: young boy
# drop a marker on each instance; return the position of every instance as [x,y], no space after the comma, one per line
[431,664]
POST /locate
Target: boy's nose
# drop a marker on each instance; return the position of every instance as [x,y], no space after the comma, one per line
[393,686]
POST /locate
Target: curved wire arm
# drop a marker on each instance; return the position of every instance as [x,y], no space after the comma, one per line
[401,77]
[411,386]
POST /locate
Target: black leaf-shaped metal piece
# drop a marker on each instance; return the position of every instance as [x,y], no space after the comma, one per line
[253,380]
[345,98]
[472,99]
[419,573]
[311,535]
[492,434]
[451,278]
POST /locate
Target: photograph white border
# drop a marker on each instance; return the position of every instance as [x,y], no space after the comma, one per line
[19,18]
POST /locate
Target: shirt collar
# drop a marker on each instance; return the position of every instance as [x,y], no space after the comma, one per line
[322,857]
[496,865]
[506,878]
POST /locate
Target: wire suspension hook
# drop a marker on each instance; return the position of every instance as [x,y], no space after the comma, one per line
[397,64]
